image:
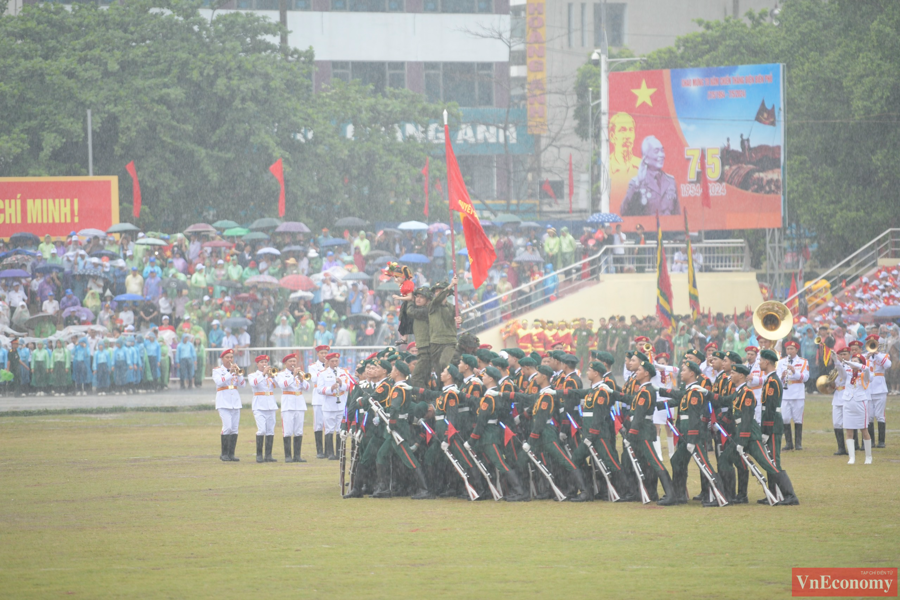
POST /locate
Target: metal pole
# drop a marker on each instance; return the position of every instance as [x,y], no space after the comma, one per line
[452,239]
[604,130]
[90,136]
[591,161]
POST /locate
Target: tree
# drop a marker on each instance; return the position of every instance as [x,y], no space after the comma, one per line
[203,107]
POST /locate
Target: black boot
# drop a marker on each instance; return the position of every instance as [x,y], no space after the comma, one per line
[287,450]
[871,429]
[669,498]
[839,436]
[270,441]
[787,490]
[333,454]
[422,493]
[298,444]
[356,487]
[586,493]
[703,496]
[383,483]
[231,446]
[798,434]
[516,492]
[319,453]
[743,478]
[680,482]
[881,432]
[788,440]
[260,440]
[224,455]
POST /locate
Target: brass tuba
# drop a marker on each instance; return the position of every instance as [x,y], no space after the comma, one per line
[772,320]
[825,383]
[872,346]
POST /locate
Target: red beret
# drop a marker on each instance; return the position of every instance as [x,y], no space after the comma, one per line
[485,347]
[855,343]
[860,358]
[873,336]
[749,348]
[371,356]
[226,351]
[289,356]
[331,355]
[663,355]
[712,345]
[323,347]
[642,338]
[792,343]
[262,357]
[410,345]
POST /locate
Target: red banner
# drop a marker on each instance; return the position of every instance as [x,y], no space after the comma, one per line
[57,206]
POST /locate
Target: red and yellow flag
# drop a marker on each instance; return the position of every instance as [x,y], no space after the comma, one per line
[481,250]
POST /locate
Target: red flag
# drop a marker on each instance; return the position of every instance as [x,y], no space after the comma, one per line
[704,183]
[425,175]
[793,303]
[549,189]
[617,422]
[439,187]
[765,115]
[735,315]
[428,435]
[571,184]
[507,435]
[136,190]
[451,430]
[278,171]
[481,250]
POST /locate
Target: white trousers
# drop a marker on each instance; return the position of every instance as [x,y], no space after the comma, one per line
[265,422]
[292,422]
[332,421]
[792,410]
[231,418]
[318,418]
[837,416]
[855,415]
[876,408]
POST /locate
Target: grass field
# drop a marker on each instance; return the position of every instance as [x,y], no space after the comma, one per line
[137,504]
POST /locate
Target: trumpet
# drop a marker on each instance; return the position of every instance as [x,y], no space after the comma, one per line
[302,374]
[236,370]
[818,340]
[872,346]
[647,348]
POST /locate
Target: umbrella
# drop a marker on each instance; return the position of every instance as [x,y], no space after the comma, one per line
[24,252]
[383,260]
[149,241]
[301,296]
[262,280]
[372,255]
[225,224]
[228,283]
[48,268]
[200,228]
[462,252]
[506,218]
[271,251]
[265,223]
[254,236]
[389,286]
[523,257]
[332,242]
[128,298]
[365,317]
[465,287]
[107,253]
[436,227]
[292,227]
[297,282]
[81,312]
[14,274]
[359,276]
[413,226]
[246,297]
[91,232]
[235,232]
[174,284]
[218,244]
[418,259]
[887,312]
[350,222]
[32,322]
[391,230]
[17,259]
[236,322]
[122,228]
[602,217]
[23,238]
[529,225]
[288,249]
[9,331]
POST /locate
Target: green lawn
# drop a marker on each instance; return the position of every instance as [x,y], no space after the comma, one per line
[138,505]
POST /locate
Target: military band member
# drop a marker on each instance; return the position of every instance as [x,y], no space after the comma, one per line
[293,406]
[332,385]
[262,381]
[772,426]
[878,363]
[794,373]
[318,417]
[837,400]
[705,367]
[667,378]
[228,402]
[755,382]
[857,377]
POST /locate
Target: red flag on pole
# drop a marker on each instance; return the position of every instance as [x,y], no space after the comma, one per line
[549,189]
[571,184]
[793,303]
[451,430]
[425,175]
[136,190]
[481,250]
[278,171]
[704,183]
[508,434]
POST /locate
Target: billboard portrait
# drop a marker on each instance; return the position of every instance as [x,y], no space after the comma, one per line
[707,139]
[57,206]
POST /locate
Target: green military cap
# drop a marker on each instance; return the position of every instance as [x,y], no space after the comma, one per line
[734,357]
[695,353]
[648,366]
[557,354]
[742,369]
[410,358]
[569,359]
[641,357]
[483,354]
[384,364]
[629,354]
[469,360]
[545,370]
[527,362]
[440,285]
[493,373]
[516,353]
[454,372]
[606,357]
[422,291]
[769,355]
[402,367]
[361,367]
[392,357]
[536,357]
[598,366]
[500,362]
[691,365]
[718,354]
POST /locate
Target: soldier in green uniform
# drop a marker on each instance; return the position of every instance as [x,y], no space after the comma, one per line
[721,404]
[748,437]
[514,355]
[417,311]
[772,425]
[582,337]
[472,390]
[373,428]
[354,419]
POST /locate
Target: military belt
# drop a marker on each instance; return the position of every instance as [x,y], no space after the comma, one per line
[737,421]
[778,410]
[263,393]
[290,393]
[463,409]
[403,416]
[439,417]
[227,387]
[587,414]
[648,417]
[492,421]
[684,417]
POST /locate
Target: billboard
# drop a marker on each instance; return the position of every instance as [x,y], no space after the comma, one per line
[57,205]
[707,139]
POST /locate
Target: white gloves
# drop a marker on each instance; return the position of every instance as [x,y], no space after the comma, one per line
[516,419]
[691,448]
[376,421]
[445,446]
[344,434]
[605,387]
[588,443]
[765,437]
[493,393]
[414,447]
[626,443]
[740,449]
[563,437]
[467,446]
[526,447]
[703,391]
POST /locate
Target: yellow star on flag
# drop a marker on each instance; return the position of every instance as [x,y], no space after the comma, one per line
[643,94]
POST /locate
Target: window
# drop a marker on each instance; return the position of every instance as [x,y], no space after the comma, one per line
[485,84]
[396,75]
[517,24]
[340,70]
[571,17]
[367,5]
[301,5]
[433,82]
[479,175]
[370,73]
[395,6]
[338,4]
[267,5]
[582,22]
[459,6]
[615,24]
[467,84]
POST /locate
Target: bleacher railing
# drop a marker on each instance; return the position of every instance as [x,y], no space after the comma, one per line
[720,255]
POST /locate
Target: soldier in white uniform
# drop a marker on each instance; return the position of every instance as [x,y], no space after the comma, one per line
[878,363]
[756,379]
[793,371]
[293,406]
[837,401]
[856,416]
[705,367]
[314,369]
[264,407]
[659,416]
[668,379]
[228,402]
[332,384]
